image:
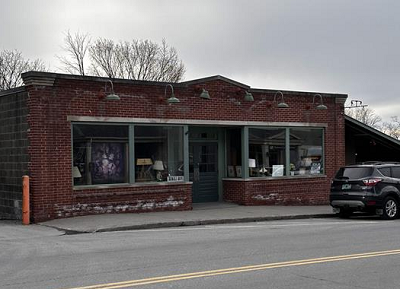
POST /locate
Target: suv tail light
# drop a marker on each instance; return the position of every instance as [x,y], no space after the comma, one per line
[371,182]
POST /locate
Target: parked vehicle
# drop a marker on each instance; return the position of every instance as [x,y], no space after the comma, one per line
[372,187]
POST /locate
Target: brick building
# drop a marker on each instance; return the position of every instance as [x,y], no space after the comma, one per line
[94,146]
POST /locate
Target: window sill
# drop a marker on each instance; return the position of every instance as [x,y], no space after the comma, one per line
[128,185]
[275,178]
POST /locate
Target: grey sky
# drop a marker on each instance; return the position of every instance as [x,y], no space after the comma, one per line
[349,46]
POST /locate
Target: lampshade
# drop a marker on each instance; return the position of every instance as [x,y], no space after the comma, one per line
[252,163]
[205,94]
[144,162]
[76,173]
[282,105]
[248,96]
[173,99]
[158,166]
[112,96]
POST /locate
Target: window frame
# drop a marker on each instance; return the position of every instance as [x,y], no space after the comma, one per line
[131,154]
[246,155]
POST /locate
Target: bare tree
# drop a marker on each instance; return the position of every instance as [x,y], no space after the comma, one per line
[365,115]
[138,60]
[76,46]
[169,67]
[105,58]
[392,128]
[12,64]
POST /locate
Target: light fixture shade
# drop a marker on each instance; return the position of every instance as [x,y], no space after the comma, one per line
[252,163]
[144,162]
[76,173]
[248,96]
[173,99]
[282,105]
[158,166]
[112,96]
[205,94]
[322,107]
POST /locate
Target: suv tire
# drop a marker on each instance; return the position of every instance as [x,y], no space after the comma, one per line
[345,213]
[390,208]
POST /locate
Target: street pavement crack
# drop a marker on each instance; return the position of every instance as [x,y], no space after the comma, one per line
[331,281]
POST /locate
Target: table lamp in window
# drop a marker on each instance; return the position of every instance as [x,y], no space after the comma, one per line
[252,165]
[159,167]
[144,175]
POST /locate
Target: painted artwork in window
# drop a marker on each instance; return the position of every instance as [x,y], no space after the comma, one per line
[100,154]
[108,163]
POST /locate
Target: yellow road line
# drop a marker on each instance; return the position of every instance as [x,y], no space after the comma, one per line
[233,270]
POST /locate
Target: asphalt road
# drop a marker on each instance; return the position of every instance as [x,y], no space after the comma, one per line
[315,253]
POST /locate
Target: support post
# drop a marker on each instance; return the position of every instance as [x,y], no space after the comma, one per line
[25,200]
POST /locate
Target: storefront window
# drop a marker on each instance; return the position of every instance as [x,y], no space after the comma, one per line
[306,151]
[100,154]
[158,154]
[234,153]
[266,152]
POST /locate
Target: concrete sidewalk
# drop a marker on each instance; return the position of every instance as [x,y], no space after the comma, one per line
[202,214]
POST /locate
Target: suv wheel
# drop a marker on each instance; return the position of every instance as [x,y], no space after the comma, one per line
[390,208]
[345,213]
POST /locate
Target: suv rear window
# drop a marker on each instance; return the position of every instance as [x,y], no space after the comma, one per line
[385,171]
[396,172]
[354,173]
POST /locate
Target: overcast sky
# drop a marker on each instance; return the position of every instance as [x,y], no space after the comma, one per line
[349,46]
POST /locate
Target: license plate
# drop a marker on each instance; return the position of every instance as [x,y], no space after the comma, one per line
[346,187]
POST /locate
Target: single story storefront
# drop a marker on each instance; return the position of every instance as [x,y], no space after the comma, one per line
[91,145]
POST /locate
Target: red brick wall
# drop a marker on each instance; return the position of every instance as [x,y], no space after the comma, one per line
[50,133]
[127,200]
[288,191]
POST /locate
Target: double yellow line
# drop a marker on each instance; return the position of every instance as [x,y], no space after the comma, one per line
[210,273]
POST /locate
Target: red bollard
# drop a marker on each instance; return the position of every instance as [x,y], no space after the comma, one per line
[25,200]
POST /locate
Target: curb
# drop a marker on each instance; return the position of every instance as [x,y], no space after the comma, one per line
[191,223]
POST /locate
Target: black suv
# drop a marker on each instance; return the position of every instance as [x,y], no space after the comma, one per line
[372,187]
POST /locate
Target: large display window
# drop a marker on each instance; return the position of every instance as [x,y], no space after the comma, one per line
[272,155]
[158,154]
[267,152]
[306,151]
[100,154]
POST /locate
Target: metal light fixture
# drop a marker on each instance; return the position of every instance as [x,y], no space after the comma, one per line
[321,106]
[205,94]
[112,95]
[172,99]
[75,172]
[248,96]
[281,104]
